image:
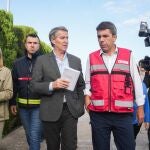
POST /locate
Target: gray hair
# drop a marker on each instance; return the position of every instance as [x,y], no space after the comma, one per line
[52,33]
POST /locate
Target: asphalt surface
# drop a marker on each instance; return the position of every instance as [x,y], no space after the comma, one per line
[16,139]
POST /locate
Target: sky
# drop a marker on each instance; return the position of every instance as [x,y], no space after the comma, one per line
[81,18]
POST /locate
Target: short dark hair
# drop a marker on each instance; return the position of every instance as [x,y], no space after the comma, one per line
[53,32]
[34,35]
[107,25]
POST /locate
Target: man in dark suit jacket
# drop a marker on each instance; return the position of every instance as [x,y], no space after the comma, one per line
[60,108]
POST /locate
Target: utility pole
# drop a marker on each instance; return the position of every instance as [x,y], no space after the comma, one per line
[8,5]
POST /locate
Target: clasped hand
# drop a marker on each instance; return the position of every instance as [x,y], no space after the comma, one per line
[60,84]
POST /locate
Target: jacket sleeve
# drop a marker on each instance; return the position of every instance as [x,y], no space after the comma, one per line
[7,89]
[15,85]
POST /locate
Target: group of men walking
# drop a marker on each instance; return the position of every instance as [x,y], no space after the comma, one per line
[112,84]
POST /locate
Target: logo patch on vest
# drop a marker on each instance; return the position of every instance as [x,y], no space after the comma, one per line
[122,62]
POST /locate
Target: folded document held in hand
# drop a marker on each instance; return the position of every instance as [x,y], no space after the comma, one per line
[72,76]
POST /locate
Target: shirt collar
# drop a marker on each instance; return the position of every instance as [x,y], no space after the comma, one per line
[65,56]
[115,52]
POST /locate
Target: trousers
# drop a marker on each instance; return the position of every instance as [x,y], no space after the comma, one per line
[32,126]
[1,128]
[61,133]
[120,125]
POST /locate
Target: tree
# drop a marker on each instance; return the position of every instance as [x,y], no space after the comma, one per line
[8,40]
[45,48]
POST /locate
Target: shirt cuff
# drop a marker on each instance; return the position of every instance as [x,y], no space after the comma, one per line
[50,87]
[87,92]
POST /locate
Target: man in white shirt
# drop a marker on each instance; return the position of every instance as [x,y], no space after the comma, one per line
[112,84]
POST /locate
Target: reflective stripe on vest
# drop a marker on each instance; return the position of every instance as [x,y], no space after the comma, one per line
[29,101]
[116,66]
[122,67]
[98,102]
[97,67]
[124,103]
[119,103]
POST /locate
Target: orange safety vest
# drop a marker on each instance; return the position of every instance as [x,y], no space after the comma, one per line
[111,92]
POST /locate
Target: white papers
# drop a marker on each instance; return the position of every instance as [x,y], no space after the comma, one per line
[72,76]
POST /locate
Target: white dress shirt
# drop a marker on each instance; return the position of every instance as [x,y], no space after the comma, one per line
[109,61]
[61,65]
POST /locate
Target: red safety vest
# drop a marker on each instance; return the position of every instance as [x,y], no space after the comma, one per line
[111,92]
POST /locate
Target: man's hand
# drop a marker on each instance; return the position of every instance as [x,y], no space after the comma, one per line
[140,114]
[60,84]
[13,109]
[87,102]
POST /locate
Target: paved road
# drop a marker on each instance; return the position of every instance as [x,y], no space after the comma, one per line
[16,140]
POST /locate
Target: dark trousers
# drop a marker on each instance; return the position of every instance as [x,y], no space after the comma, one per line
[148,133]
[62,132]
[119,124]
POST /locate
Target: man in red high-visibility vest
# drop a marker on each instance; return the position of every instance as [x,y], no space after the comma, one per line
[112,84]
